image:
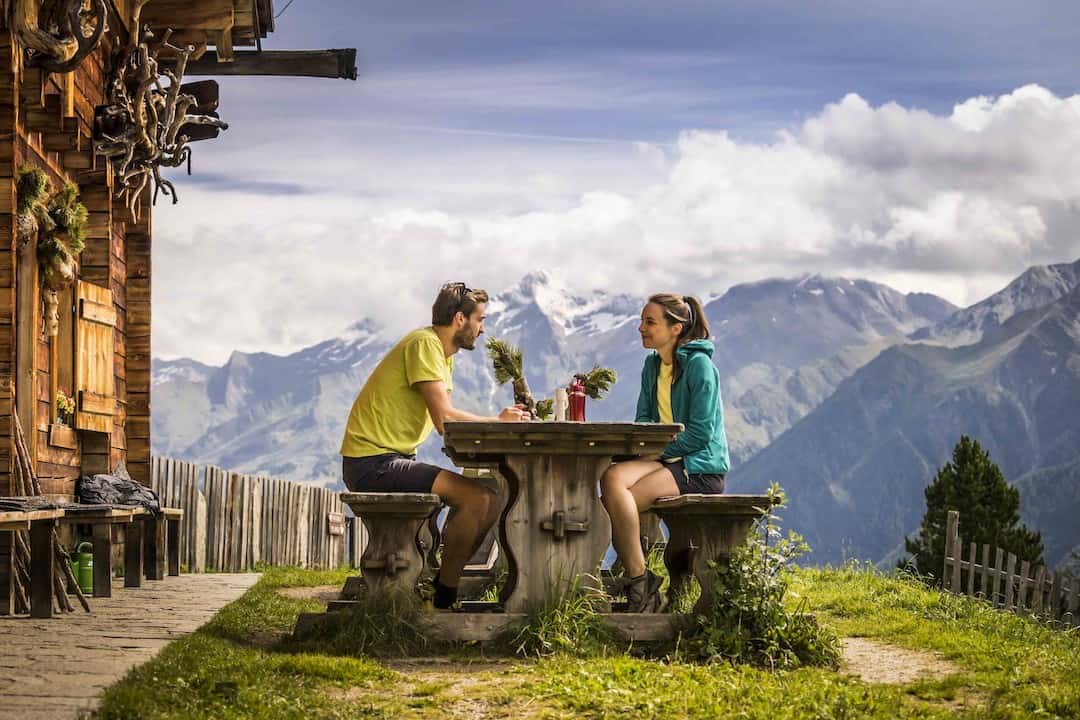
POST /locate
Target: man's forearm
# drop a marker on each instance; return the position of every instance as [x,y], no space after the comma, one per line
[452,413]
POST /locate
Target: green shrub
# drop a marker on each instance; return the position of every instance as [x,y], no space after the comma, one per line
[749,621]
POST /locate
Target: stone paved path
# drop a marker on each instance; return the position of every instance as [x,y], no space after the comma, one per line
[57,668]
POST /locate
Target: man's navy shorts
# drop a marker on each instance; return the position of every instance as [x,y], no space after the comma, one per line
[391,472]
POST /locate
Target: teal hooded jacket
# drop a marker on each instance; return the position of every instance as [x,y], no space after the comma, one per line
[695,402]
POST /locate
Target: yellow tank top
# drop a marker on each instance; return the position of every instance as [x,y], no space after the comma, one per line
[663,392]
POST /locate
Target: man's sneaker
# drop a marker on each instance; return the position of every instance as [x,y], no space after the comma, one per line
[643,594]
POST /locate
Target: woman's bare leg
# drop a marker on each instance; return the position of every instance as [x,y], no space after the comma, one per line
[627,489]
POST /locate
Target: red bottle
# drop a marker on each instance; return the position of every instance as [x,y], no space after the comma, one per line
[576,391]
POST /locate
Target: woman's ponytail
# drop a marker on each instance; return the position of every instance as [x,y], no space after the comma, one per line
[698,327]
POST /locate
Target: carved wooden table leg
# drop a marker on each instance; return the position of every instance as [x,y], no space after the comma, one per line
[555,530]
[392,561]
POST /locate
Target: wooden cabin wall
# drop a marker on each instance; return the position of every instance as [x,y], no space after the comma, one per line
[8,107]
[53,130]
[137,338]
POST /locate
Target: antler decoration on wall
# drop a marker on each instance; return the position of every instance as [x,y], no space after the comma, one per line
[139,127]
[67,36]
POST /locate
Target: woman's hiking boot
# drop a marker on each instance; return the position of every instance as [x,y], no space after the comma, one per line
[643,594]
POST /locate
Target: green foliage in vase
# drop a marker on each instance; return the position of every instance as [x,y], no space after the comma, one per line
[509,367]
[598,381]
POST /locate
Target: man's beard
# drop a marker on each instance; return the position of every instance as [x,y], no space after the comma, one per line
[464,339]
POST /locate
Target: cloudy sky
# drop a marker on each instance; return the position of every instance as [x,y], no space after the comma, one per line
[624,145]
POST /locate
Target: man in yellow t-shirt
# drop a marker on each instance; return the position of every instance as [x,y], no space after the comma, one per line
[408,395]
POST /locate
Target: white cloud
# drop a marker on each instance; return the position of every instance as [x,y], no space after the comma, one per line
[955,204]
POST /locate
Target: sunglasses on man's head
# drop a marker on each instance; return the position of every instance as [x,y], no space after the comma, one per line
[459,287]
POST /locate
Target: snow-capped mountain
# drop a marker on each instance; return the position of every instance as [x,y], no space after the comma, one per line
[285,415]
[1037,286]
[846,392]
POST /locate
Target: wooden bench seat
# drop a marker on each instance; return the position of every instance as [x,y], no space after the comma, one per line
[101,518]
[392,560]
[705,529]
[40,524]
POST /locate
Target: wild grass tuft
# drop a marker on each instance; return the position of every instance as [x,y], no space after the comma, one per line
[568,623]
[380,625]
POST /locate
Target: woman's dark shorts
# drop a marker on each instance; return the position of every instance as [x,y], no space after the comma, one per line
[391,472]
[694,483]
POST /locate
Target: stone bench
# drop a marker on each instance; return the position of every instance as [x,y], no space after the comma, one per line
[392,560]
[704,529]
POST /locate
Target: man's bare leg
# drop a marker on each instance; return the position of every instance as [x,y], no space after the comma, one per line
[470,518]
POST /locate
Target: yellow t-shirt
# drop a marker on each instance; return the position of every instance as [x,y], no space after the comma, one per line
[663,392]
[389,414]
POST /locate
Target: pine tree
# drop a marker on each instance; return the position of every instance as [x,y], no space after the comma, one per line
[989,511]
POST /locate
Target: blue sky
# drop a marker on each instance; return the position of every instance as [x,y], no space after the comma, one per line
[628,146]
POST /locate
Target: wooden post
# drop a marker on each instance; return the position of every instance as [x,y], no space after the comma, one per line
[999,575]
[7,572]
[950,574]
[1055,596]
[1010,578]
[198,534]
[102,541]
[1025,579]
[984,587]
[133,553]
[1073,603]
[154,547]
[1037,601]
[172,531]
[42,568]
[971,571]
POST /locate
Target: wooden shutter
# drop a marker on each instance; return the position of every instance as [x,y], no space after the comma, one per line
[94,384]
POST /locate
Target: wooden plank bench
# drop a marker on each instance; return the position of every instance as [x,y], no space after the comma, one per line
[392,560]
[40,524]
[101,518]
[151,545]
[705,529]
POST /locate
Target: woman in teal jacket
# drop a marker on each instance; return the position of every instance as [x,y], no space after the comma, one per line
[679,383]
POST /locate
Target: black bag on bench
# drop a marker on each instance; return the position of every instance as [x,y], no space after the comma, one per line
[116,489]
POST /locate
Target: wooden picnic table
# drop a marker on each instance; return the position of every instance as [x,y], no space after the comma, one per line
[554,528]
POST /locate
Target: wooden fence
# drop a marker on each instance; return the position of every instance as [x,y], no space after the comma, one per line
[1053,596]
[233,522]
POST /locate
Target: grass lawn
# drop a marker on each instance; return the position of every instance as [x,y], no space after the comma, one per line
[237,667]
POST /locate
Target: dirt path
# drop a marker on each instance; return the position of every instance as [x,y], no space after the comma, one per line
[873,661]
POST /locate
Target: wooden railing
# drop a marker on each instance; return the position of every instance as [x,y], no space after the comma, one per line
[234,522]
[1022,590]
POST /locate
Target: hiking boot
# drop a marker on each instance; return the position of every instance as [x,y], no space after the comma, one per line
[643,594]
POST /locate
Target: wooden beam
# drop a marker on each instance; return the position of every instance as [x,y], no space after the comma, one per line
[333,64]
[188,15]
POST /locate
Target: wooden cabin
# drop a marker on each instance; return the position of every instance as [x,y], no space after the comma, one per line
[97,350]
